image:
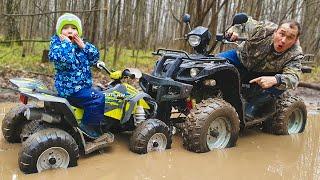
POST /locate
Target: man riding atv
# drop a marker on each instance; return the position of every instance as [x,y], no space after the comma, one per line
[216,95]
[268,49]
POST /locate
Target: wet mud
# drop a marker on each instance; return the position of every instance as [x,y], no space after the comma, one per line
[257,156]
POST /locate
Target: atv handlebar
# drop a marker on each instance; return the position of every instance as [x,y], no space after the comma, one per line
[127,73]
[102,66]
[159,52]
[221,37]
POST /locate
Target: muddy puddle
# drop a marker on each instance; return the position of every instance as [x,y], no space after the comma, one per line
[257,156]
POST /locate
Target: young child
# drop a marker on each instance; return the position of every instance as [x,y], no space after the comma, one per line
[72,59]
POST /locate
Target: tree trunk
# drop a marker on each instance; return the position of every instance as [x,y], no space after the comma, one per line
[116,40]
[105,32]
[258,10]
[94,26]
[224,20]
[12,31]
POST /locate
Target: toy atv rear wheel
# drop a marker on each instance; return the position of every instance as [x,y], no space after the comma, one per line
[212,124]
[290,117]
[33,127]
[13,123]
[151,135]
[48,149]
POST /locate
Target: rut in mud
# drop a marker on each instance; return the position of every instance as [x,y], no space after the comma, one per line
[257,155]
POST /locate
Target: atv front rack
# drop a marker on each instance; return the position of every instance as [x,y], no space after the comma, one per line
[164,89]
[186,56]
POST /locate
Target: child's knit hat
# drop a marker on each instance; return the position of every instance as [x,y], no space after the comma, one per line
[68,18]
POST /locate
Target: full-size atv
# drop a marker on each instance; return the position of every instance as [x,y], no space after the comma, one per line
[50,134]
[211,96]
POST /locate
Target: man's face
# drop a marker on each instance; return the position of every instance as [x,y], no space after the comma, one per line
[285,37]
[69,31]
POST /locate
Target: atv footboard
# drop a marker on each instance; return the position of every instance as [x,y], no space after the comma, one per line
[164,89]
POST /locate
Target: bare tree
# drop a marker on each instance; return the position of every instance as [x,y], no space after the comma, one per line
[12,31]
[148,24]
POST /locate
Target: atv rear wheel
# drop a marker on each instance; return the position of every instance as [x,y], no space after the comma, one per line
[290,117]
[151,135]
[212,124]
[13,123]
[48,149]
[33,127]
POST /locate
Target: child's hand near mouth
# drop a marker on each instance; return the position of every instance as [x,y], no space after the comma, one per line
[78,41]
[63,37]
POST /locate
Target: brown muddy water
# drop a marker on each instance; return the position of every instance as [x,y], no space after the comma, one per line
[257,156]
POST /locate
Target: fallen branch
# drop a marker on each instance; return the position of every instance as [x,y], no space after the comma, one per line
[309,85]
[25,71]
[24,40]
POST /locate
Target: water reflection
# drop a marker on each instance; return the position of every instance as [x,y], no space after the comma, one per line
[257,156]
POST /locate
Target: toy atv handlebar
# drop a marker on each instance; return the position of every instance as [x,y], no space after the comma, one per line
[125,73]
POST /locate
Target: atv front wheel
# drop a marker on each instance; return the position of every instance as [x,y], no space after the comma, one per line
[151,135]
[48,149]
[290,117]
[13,123]
[212,124]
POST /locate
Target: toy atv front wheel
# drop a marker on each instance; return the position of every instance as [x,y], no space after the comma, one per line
[212,124]
[13,123]
[48,149]
[290,117]
[151,135]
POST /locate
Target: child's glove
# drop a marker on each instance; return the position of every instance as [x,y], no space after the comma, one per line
[100,64]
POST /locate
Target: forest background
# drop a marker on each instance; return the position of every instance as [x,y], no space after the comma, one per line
[127,31]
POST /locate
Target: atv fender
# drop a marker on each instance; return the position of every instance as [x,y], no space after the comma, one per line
[132,102]
[230,87]
[61,105]
[228,79]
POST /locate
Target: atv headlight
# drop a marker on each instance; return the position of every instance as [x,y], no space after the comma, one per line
[194,40]
[194,72]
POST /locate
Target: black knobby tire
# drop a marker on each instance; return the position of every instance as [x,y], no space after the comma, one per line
[43,141]
[13,123]
[33,127]
[289,109]
[206,113]
[145,132]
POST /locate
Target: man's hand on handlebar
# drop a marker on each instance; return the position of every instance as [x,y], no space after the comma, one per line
[232,36]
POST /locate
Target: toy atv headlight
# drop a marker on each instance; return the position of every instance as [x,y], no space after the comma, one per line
[194,72]
[194,40]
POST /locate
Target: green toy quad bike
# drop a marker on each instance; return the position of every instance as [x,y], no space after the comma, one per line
[50,134]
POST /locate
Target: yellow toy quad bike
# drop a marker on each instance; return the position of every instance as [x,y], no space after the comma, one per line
[50,134]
